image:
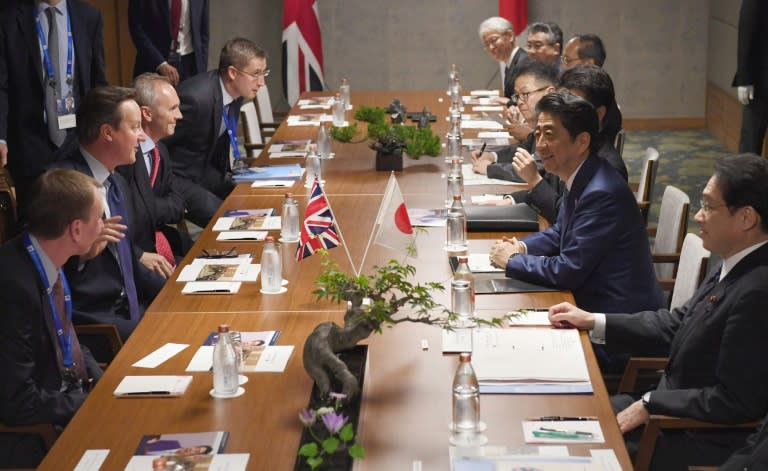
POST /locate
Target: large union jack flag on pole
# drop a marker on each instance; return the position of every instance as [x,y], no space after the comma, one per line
[319,229]
[302,49]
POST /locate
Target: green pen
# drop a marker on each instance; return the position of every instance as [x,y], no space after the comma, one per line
[564,434]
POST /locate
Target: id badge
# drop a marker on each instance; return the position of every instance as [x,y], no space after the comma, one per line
[65,108]
[70,381]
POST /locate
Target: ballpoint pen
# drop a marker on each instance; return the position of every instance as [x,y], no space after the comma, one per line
[560,418]
[561,435]
[482,148]
[574,432]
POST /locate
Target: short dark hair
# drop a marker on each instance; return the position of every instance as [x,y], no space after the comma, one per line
[591,47]
[58,197]
[238,52]
[101,106]
[144,86]
[551,29]
[576,115]
[541,71]
[591,80]
[742,179]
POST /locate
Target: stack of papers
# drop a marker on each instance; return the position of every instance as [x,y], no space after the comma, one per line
[308,119]
[427,217]
[316,103]
[481,263]
[471,178]
[217,275]
[152,386]
[270,172]
[246,224]
[529,361]
[280,149]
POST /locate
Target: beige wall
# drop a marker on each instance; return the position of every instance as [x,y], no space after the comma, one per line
[657,52]
[721,43]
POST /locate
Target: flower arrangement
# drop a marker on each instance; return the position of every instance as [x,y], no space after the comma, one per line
[331,432]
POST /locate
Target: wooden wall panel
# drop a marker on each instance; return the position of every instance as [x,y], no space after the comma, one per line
[724,118]
[119,53]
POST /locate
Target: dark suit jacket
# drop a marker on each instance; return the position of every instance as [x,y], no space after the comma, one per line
[150,24]
[509,79]
[754,456]
[22,97]
[716,344]
[97,287]
[152,207]
[752,57]
[29,392]
[193,146]
[600,252]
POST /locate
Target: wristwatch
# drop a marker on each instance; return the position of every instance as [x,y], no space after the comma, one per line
[512,256]
[647,400]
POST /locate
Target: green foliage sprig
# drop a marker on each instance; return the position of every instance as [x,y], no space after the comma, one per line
[343,133]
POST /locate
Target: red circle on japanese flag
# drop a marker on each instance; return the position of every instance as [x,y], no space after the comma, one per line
[402,221]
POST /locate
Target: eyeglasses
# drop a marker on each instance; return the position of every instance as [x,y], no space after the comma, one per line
[536,45]
[215,253]
[707,208]
[492,41]
[254,75]
[523,96]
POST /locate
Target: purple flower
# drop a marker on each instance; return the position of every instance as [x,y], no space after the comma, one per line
[336,395]
[307,417]
[334,422]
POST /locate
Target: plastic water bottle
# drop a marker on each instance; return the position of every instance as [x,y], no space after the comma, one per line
[271,267]
[323,142]
[313,169]
[338,111]
[456,93]
[289,222]
[464,273]
[454,183]
[466,396]
[344,92]
[456,226]
[453,148]
[451,77]
[224,364]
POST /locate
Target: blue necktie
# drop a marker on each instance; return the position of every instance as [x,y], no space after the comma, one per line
[123,248]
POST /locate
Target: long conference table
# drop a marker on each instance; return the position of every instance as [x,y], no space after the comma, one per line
[406,404]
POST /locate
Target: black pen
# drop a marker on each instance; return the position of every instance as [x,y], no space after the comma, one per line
[482,149]
[212,291]
[147,393]
[559,418]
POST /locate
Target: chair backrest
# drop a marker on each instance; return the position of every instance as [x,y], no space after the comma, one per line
[690,271]
[672,227]
[251,129]
[647,175]
[618,142]
[265,105]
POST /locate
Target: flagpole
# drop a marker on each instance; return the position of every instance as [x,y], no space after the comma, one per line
[338,228]
[379,216]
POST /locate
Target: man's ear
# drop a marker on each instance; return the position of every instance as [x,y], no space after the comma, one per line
[583,140]
[146,113]
[106,132]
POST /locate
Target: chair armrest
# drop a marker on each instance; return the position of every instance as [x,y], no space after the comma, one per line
[108,331]
[659,422]
[652,231]
[665,257]
[634,366]
[251,146]
[666,284]
[47,432]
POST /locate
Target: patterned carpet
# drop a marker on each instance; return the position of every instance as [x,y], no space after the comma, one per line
[685,161]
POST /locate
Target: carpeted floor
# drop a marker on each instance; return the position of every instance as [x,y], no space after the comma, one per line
[685,161]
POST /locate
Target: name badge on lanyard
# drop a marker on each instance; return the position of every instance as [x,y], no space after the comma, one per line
[65,106]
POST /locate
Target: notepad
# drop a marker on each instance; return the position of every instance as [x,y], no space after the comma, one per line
[272,172]
[562,431]
[211,287]
[152,386]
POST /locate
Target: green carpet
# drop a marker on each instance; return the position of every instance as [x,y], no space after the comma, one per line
[685,161]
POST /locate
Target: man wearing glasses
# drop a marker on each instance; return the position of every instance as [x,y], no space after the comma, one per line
[715,341]
[498,37]
[204,149]
[545,42]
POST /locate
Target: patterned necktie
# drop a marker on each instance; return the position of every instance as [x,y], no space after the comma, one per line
[116,207]
[53,88]
[161,242]
[57,290]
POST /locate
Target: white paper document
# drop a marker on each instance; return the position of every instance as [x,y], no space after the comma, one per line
[487,108]
[314,103]
[91,460]
[211,287]
[481,263]
[492,199]
[493,135]
[242,235]
[528,354]
[247,223]
[270,359]
[274,359]
[217,462]
[220,270]
[477,143]
[152,386]
[481,124]
[562,431]
[471,178]
[530,317]
[272,183]
[484,93]
[607,459]
[160,355]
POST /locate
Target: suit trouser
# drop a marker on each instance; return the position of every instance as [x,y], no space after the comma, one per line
[754,121]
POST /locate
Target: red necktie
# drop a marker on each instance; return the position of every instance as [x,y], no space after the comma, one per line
[161,242]
[175,21]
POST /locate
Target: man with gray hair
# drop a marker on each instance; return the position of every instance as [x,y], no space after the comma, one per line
[498,37]
[545,42]
[201,146]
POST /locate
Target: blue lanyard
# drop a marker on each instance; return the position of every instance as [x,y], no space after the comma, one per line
[47,57]
[64,343]
[232,131]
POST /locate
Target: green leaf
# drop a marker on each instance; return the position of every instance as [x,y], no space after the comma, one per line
[315,461]
[357,451]
[346,433]
[330,445]
[308,449]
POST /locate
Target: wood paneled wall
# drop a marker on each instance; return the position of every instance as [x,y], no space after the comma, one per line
[119,53]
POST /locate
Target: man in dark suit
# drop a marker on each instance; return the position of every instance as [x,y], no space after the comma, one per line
[716,341]
[109,285]
[26,141]
[751,77]
[171,37]
[47,374]
[154,196]
[598,247]
[752,457]
[498,37]
[210,103]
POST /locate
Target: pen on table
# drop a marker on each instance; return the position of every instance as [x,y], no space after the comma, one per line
[558,435]
[560,418]
[212,291]
[147,393]
[574,432]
